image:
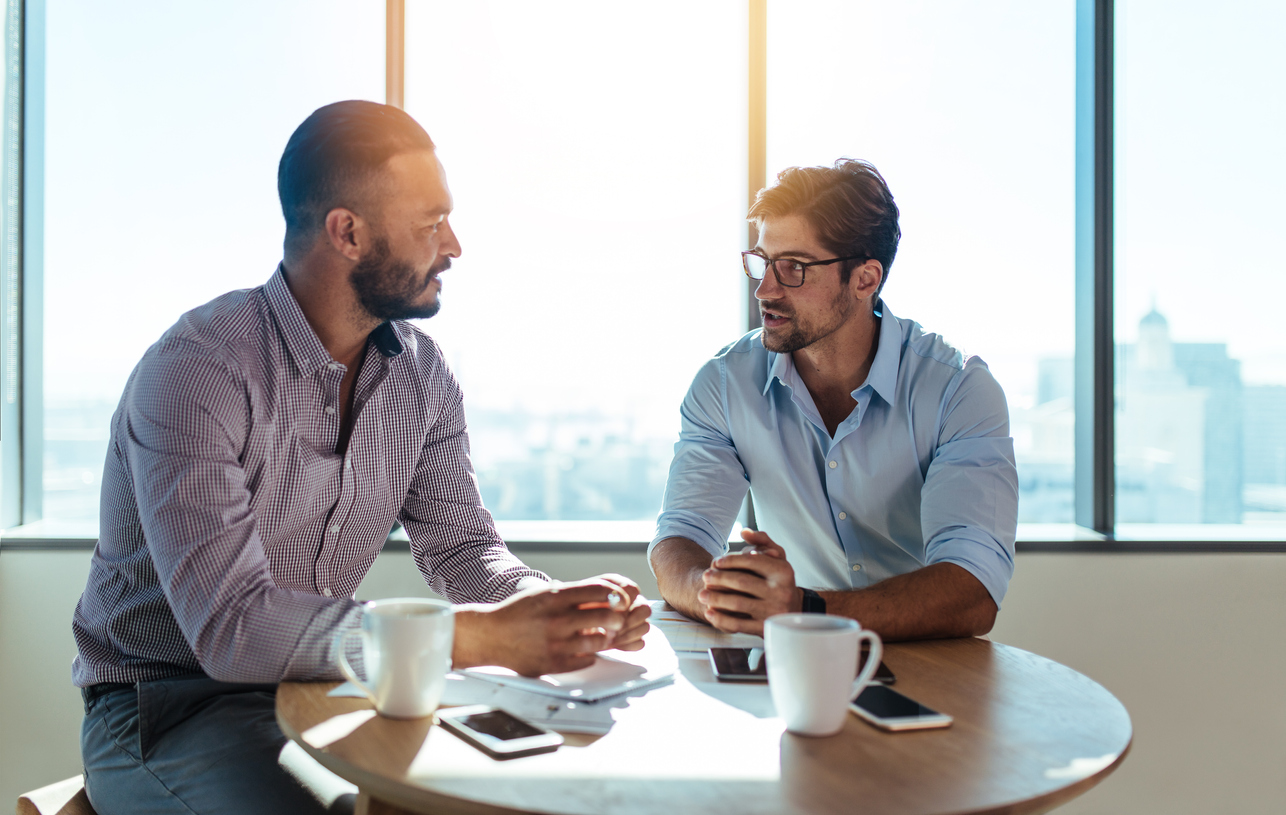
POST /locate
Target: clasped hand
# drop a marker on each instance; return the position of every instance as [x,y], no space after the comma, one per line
[558,628]
[742,590]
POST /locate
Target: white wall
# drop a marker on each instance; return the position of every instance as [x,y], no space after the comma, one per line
[1193,646]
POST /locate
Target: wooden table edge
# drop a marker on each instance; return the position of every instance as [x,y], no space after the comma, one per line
[379,787]
[1053,800]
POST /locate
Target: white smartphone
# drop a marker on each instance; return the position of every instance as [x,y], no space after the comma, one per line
[497,733]
[889,710]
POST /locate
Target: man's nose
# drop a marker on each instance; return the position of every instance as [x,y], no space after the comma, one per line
[768,288]
[450,245]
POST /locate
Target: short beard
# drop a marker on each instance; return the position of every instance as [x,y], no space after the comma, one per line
[803,335]
[387,288]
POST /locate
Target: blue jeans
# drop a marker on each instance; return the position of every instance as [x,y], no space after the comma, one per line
[193,745]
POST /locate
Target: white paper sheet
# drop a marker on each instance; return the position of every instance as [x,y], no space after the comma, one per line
[607,677]
[563,715]
[686,634]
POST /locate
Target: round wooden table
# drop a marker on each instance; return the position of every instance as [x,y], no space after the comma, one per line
[1029,734]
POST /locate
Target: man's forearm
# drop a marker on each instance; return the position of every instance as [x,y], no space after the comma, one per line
[940,600]
[678,564]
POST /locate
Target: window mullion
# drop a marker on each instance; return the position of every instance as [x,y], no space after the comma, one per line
[32,259]
[1095,369]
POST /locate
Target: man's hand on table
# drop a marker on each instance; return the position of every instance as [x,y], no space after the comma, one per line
[552,629]
[742,590]
[630,637]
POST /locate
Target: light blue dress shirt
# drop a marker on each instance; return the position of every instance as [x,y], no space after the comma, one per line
[922,471]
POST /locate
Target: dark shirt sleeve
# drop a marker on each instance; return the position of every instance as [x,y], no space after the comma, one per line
[453,537]
[185,429]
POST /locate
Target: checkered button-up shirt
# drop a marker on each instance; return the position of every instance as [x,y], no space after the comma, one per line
[232,535]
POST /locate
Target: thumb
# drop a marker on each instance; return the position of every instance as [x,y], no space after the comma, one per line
[763,543]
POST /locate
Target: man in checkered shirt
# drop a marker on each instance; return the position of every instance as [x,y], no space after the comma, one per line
[262,451]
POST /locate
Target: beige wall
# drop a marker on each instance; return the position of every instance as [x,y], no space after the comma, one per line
[1165,633]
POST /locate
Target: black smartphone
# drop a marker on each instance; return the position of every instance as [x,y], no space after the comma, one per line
[750,665]
[739,664]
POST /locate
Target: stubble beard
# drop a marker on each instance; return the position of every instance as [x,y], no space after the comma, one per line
[387,288]
[802,334]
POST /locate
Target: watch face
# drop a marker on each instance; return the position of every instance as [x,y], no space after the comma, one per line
[813,602]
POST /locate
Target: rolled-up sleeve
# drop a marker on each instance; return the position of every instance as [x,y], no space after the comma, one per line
[453,537]
[186,426]
[707,480]
[969,504]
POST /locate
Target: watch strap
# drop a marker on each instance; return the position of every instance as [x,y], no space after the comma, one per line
[813,602]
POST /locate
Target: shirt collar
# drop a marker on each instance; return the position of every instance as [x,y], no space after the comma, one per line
[305,349]
[882,377]
[386,340]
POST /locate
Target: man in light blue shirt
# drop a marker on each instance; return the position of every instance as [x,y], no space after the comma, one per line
[878,456]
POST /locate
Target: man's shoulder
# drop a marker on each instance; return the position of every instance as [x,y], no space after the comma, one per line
[932,365]
[745,360]
[206,358]
[930,350]
[220,327]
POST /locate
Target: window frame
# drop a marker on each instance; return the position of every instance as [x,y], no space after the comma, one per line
[22,280]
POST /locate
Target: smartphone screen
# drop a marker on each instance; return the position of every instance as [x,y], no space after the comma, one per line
[500,725]
[746,664]
[884,703]
[497,733]
[750,665]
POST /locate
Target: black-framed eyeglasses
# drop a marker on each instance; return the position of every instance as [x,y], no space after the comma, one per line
[789,273]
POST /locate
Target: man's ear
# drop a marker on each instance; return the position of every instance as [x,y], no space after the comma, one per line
[865,280]
[346,232]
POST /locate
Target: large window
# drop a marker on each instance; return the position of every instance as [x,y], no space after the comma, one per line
[968,110]
[164,125]
[1201,354]
[593,150]
[599,154]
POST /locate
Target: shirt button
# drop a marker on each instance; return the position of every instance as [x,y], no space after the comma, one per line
[348,463]
[843,515]
[334,530]
[326,592]
[834,464]
[334,366]
[330,411]
[857,567]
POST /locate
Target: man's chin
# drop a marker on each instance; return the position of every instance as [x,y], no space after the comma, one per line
[428,310]
[782,343]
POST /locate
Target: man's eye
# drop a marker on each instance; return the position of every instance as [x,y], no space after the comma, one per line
[796,266]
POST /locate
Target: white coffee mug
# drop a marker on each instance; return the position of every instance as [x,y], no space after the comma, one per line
[811,662]
[406,645]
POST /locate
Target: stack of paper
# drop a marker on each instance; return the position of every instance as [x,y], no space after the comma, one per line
[574,702]
[607,677]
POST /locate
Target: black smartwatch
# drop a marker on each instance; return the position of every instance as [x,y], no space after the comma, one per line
[813,602]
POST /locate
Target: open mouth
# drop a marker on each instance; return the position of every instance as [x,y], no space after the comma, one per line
[772,318]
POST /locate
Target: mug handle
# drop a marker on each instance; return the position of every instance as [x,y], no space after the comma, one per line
[341,643]
[872,661]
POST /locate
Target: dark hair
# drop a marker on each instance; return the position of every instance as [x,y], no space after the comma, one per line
[849,205]
[332,154]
